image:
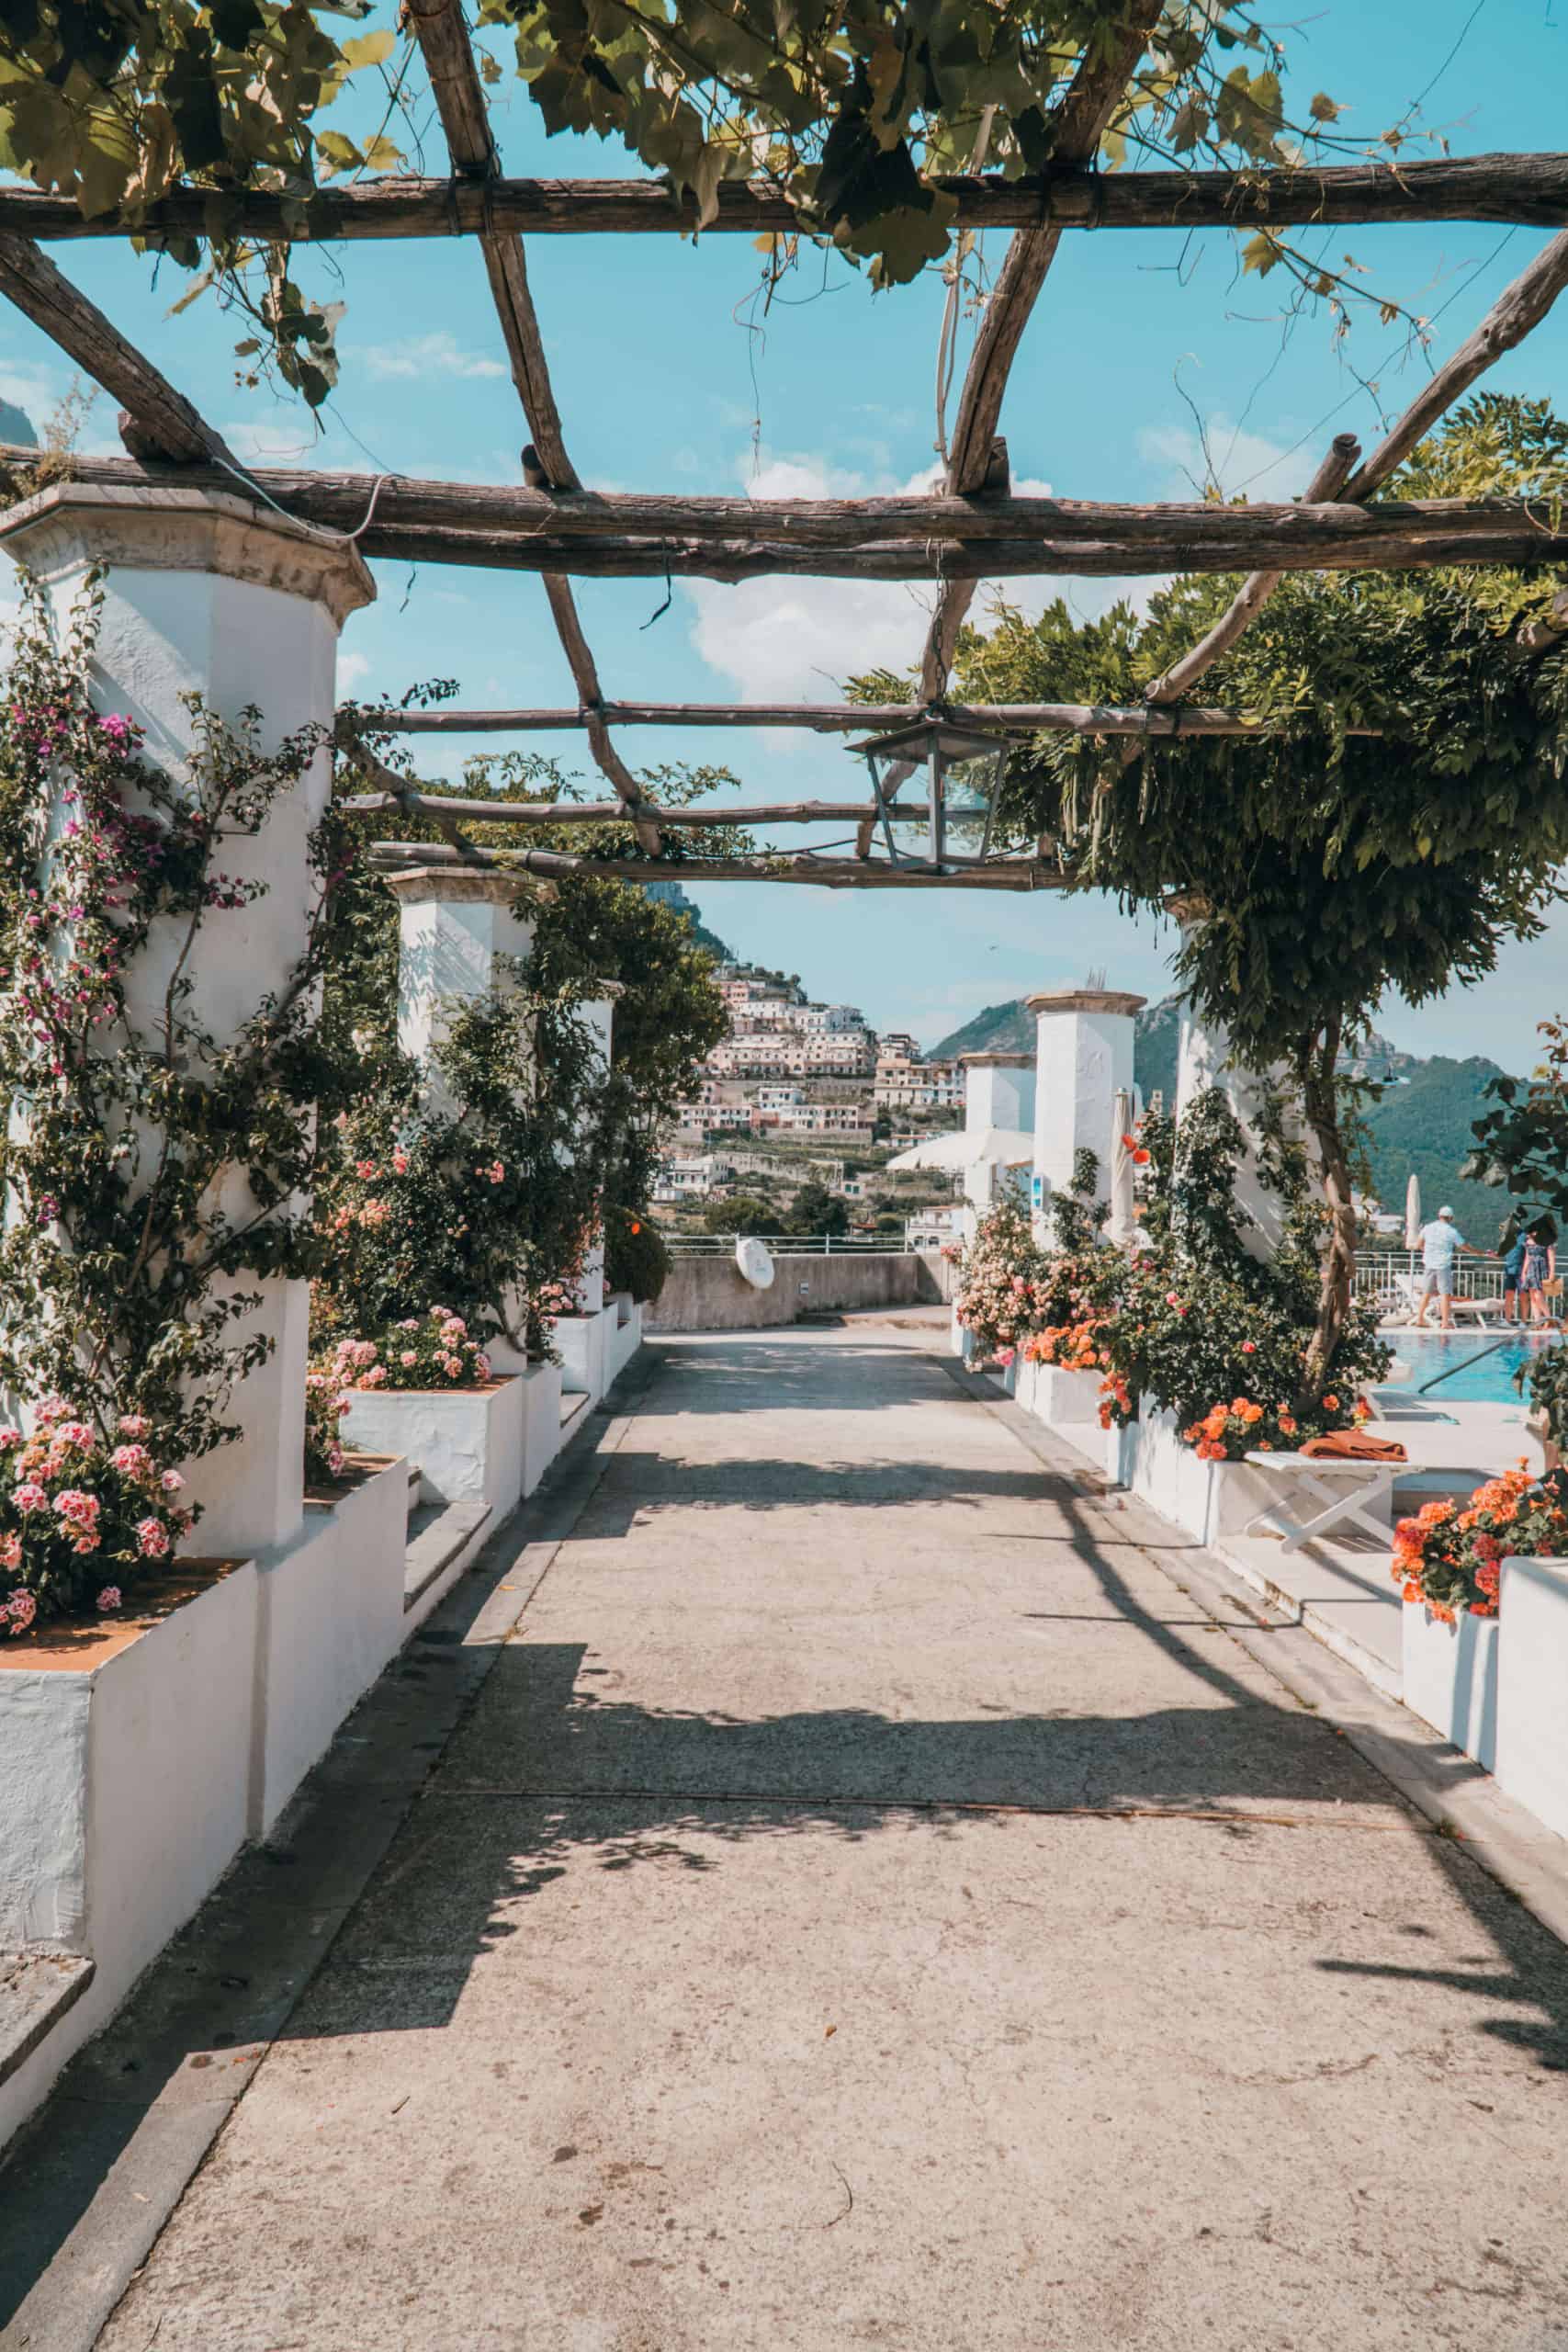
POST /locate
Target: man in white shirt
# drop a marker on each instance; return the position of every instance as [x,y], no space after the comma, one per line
[1441,1242]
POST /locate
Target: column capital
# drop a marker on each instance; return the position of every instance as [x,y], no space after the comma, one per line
[996,1061]
[1085,1001]
[467,886]
[156,528]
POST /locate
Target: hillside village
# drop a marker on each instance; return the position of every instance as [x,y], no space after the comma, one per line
[804,1110]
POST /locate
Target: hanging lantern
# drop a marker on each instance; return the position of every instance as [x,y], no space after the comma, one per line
[936,784]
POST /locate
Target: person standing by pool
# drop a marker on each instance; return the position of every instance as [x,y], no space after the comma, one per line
[1441,1242]
[1511,1250]
[1540,1268]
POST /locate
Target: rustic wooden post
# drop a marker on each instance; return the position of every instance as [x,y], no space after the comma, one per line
[200,596]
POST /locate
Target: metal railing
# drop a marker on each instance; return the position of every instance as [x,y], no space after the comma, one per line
[791,1245]
[1376,1270]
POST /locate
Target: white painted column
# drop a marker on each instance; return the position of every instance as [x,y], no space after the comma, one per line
[1083,1059]
[459,937]
[998,1099]
[204,593]
[598,1014]
[462,937]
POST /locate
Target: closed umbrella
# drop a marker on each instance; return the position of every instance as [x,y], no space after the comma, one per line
[1412,1211]
[1123,1203]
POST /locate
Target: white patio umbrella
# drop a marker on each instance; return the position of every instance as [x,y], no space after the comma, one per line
[1412,1211]
[1124,1201]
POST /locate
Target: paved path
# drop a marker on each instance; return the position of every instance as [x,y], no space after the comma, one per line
[869,1904]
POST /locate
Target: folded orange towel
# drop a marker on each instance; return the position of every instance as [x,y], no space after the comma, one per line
[1354,1445]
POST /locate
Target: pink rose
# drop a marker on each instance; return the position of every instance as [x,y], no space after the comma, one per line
[375,1379]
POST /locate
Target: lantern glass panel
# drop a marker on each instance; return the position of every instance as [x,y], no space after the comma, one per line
[966,787]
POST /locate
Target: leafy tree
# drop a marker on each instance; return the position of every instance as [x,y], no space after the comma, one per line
[854,111]
[741,1213]
[817,1211]
[1320,869]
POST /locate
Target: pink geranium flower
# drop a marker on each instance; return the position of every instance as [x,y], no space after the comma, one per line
[109,1598]
[152,1538]
[21,1609]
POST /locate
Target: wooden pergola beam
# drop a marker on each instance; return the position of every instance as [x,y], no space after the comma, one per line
[1320,521]
[820,873]
[157,420]
[1255,589]
[826,719]
[1077,129]
[459,96]
[1522,544]
[1521,306]
[1526,190]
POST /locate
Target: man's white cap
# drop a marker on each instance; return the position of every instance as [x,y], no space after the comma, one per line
[1445,1212]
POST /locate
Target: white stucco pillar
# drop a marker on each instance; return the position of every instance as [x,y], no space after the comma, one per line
[1083,1059]
[460,936]
[1203,1060]
[998,1101]
[598,1014]
[204,594]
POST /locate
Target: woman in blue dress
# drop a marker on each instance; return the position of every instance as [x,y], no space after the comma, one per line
[1538,1268]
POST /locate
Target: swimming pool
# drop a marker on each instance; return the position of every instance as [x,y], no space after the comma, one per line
[1488,1382]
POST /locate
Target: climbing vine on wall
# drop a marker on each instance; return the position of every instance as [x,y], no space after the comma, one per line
[152,1169]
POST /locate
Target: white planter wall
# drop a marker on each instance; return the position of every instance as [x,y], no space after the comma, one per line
[127,1789]
[330,1617]
[583,1343]
[1532,1687]
[468,1442]
[541,1421]
[1451,1678]
[625,1336]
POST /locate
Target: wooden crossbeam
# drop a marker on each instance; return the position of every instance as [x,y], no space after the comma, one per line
[1527,190]
[157,420]
[829,718]
[1077,129]
[518,529]
[1521,306]
[1255,589]
[460,97]
[1326,523]
[820,872]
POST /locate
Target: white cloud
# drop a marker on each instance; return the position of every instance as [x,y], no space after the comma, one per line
[1236,463]
[797,639]
[273,444]
[437,354]
[351,668]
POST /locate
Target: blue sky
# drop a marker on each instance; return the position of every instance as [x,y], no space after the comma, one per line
[663,384]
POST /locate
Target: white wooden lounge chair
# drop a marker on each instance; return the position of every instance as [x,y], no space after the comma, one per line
[1324,1494]
[1479,1314]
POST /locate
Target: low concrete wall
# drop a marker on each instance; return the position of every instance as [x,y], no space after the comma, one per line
[708,1293]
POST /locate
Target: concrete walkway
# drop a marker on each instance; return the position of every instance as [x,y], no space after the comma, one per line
[870,1903]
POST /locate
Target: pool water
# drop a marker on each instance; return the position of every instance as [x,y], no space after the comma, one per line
[1487,1378]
